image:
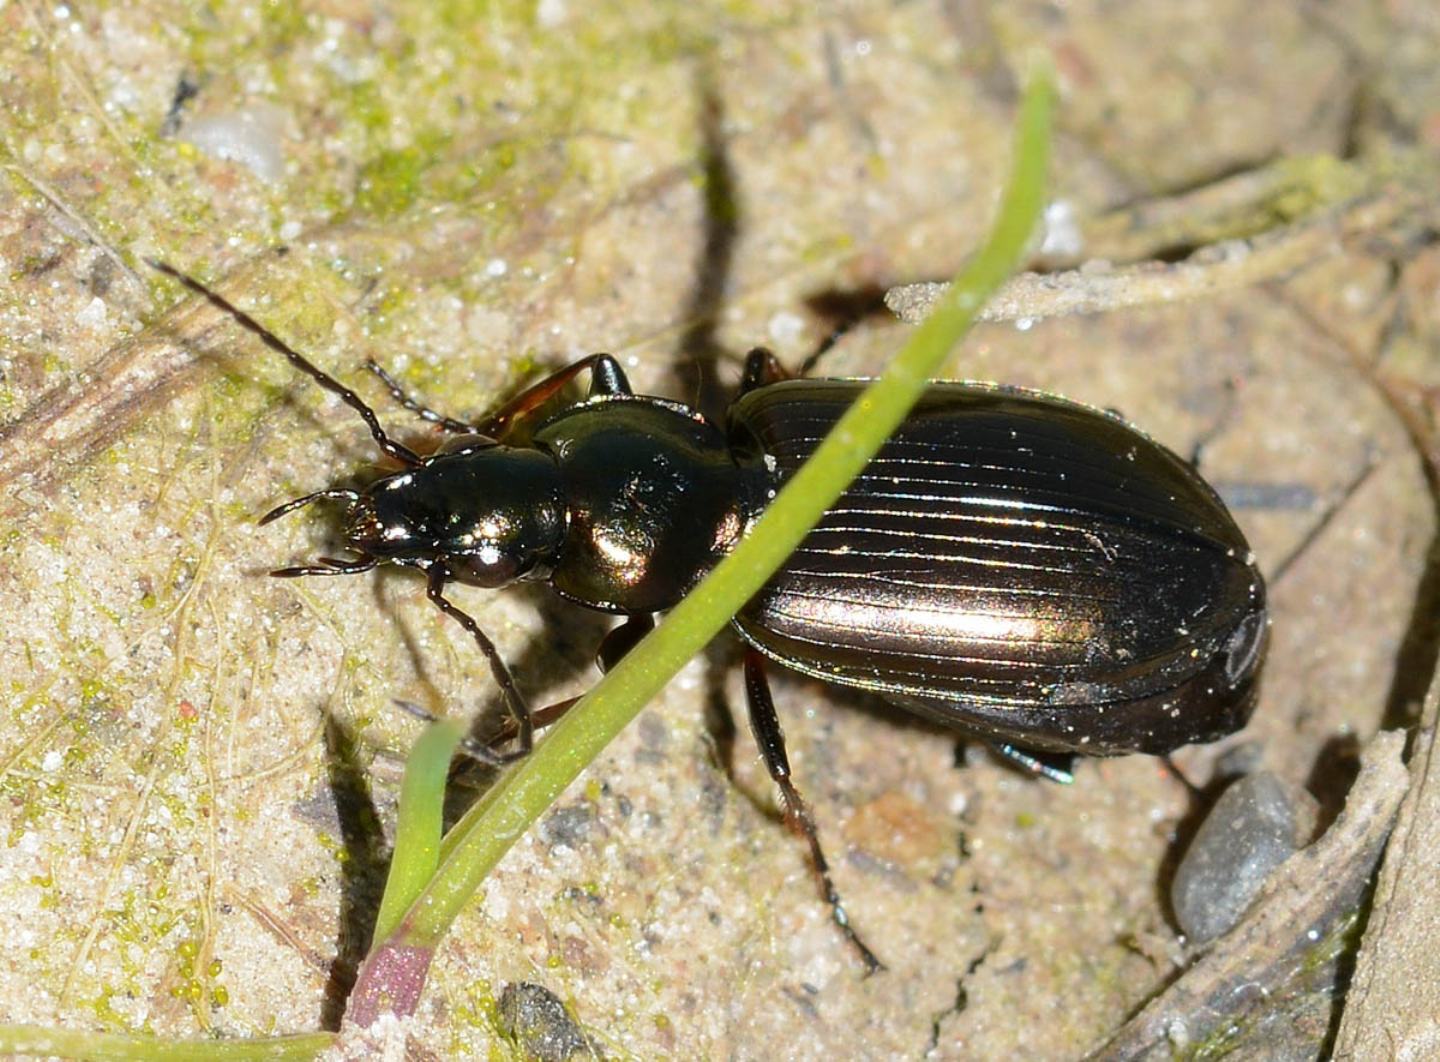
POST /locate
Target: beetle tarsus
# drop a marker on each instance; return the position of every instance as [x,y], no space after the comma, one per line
[514,701]
[613,647]
[765,724]
[1033,764]
[476,750]
[802,823]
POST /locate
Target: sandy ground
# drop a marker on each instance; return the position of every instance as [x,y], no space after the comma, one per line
[200,764]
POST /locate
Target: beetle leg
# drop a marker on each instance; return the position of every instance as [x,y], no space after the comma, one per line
[388,446]
[766,726]
[832,337]
[519,710]
[407,401]
[1033,764]
[761,368]
[474,749]
[606,378]
[619,641]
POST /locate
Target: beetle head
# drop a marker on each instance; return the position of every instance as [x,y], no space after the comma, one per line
[486,514]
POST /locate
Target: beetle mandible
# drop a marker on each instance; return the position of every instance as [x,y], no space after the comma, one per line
[1029,570]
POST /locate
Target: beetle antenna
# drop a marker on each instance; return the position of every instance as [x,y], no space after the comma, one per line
[332,494]
[408,401]
[388,446]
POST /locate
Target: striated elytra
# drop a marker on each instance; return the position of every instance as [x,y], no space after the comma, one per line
[1025,569]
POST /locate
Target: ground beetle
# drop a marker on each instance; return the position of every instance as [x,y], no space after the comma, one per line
[1020,567]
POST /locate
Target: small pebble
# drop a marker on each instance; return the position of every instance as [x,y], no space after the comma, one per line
[253,136]
[536,1019]
[1257,823]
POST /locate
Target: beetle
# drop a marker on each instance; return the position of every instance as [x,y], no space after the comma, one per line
[1028,570]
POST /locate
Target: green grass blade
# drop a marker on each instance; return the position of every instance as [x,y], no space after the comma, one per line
[419,823]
